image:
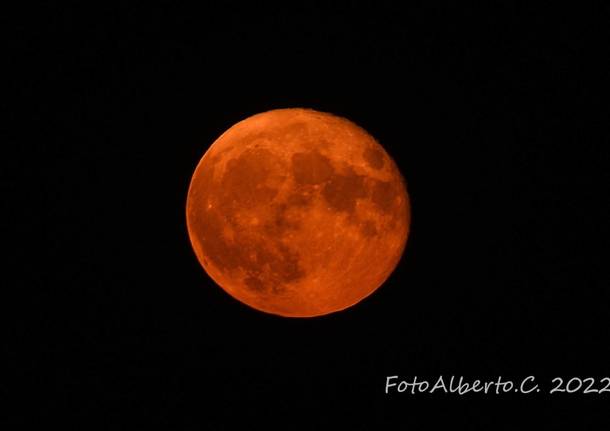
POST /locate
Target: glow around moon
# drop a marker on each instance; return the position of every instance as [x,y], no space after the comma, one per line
[297,213]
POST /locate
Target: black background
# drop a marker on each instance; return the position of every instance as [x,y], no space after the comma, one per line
[495,116]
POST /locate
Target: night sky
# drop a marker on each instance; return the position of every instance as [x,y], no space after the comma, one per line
[495,116]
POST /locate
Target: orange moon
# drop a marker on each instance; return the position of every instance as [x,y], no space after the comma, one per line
[297,212]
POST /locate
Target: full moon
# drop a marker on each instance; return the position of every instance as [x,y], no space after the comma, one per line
[297,213]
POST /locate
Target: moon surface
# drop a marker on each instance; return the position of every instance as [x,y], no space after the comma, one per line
[297,212]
